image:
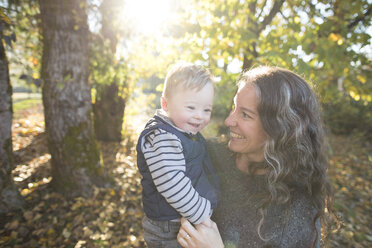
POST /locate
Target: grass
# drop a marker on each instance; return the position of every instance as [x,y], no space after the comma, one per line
[25,104]
[23,101]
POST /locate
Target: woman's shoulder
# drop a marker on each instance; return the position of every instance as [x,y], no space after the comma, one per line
[217,145]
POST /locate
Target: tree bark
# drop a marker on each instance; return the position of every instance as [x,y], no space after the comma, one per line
[10,199]
[108,113]
[110,102]
[76,160]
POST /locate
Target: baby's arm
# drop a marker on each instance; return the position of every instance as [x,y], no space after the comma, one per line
[164,155]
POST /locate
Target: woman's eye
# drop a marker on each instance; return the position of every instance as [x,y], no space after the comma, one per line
[245,115]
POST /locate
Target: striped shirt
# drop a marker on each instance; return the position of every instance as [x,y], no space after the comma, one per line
[163,153]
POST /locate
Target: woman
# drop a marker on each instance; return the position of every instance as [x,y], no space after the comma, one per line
[274,188]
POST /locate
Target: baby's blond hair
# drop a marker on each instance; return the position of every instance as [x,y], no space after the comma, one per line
[188,76]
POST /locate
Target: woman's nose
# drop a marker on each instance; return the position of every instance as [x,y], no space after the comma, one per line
[230,120]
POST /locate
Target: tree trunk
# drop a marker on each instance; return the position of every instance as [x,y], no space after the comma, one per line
[108,113]
[110,102]
[76,159]
[10,199]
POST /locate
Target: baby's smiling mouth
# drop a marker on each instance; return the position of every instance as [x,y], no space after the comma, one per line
[194,125]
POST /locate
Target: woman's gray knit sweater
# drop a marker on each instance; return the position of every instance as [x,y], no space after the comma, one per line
[285,225]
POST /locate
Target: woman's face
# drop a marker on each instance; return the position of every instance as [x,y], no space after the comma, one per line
[247,136]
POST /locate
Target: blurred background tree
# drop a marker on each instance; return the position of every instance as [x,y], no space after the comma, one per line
[25,55]
[109,75]
[75,157]
[10,199]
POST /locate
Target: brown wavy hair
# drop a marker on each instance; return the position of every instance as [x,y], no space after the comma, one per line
[295,152]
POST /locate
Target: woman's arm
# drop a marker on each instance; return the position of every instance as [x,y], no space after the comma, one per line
[204,235]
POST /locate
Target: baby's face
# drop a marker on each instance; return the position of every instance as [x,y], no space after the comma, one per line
[190,109]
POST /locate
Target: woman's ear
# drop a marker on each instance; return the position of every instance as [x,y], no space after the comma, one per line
[163,103]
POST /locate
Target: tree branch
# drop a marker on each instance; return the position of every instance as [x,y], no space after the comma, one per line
[252,10]
[274,10]
[360,18]
[263,5]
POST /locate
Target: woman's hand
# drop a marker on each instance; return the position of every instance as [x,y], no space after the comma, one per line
[204,235]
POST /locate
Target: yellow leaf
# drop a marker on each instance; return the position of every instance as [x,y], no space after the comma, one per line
[349,234]
[333,37]
[4,17]
[112,192]
[13,225]
[159,88]
[4,239]
[27,215]
[80,243]
[66,233]
[362,79]
[297,19]
[38,216]
[336,38]
[93,93]
[50,231]
[34,61]
[14,234]
[352,93]
[76,205]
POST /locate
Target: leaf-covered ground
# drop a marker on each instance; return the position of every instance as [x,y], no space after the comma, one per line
[351,175]
[112,218]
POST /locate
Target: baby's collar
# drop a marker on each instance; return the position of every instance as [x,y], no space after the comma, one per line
[161,113]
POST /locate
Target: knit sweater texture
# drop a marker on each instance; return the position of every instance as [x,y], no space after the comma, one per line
[237,216]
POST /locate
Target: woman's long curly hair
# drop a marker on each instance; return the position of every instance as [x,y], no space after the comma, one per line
[295,151]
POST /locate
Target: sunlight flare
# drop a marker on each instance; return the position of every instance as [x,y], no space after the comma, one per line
[148,16]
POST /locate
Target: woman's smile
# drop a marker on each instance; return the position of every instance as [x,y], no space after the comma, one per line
[236,136]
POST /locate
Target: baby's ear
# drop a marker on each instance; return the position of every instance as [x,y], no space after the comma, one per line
[163,103]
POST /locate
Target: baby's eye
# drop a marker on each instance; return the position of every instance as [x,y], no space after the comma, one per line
[208,110]
[190,107]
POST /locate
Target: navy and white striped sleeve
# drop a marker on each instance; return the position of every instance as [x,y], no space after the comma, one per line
[164,155]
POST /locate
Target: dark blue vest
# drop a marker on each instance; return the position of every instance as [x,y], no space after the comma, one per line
[198,168]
